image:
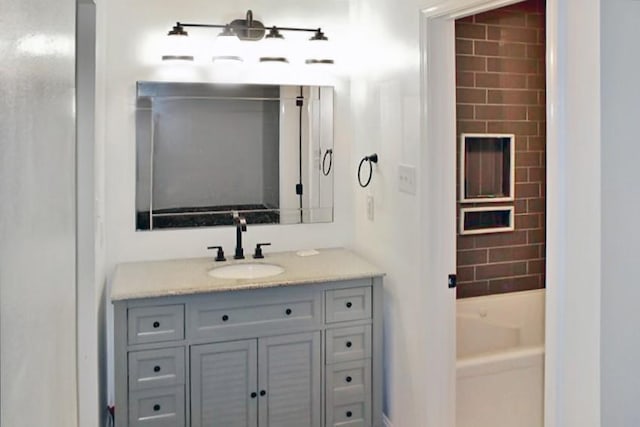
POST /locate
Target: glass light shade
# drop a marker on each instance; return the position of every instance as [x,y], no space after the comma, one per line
[178,48]
[227,48]
[274,50]
[319,52]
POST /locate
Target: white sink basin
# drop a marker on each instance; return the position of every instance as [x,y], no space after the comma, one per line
[250,270]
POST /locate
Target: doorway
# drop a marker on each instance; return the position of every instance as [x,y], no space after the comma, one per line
[501,186]
[439,69]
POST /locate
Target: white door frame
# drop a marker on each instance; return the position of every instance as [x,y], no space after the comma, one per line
[437,166]
[437,214]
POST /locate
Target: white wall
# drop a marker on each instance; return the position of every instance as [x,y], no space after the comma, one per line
[90,251]
[37,215]
[385,103]
[385,114]
[620,206]
[91,344]
[100,295]
[573,214]
[386,111]
[134,55]
[133,37]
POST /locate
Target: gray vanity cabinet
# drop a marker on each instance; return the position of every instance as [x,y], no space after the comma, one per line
[289,373]
[280,375]
[307,355]
[224,384]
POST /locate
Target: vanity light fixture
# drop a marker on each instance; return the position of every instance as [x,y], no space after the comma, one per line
[249,29]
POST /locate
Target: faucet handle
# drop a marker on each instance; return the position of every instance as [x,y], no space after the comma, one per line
[258,253]
[239,221]
[220,255]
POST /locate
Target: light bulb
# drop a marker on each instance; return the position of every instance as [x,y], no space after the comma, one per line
[227,47]
[178,45]
[274,48]
[320,50]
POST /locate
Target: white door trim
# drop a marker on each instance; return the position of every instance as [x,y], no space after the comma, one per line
[437,215]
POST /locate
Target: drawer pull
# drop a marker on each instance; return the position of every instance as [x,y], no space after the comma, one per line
[348,379]
[349,304]
[156,407]
[225,318]
[288,312]
[146,325]
[349,344]
[254,395]
[349,414]
[263,393]
[156,369]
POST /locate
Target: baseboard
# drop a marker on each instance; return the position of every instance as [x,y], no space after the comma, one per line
[386,421]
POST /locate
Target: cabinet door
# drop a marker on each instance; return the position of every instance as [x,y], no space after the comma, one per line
[224,384]
[289,380]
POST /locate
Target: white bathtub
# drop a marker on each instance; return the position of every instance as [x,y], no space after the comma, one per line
[500,363]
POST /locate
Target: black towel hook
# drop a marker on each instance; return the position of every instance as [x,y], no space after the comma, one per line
[370,159]
[329,154]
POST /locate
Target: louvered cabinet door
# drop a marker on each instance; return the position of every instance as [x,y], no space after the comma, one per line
[289,380]
[224,384]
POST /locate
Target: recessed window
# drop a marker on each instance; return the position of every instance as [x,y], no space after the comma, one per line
[487,170]
[486,220]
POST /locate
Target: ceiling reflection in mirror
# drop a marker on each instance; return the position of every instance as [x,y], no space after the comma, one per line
[205,151]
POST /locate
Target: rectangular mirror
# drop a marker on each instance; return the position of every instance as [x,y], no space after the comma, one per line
[204,151]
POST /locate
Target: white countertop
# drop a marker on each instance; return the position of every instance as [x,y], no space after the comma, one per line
[191,276]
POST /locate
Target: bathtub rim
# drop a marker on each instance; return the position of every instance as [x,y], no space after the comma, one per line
[503,295]
[500,361]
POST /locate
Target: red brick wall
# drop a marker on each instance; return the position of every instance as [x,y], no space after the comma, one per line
[500,64]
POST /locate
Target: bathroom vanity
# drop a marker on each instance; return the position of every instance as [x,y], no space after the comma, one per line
[297,349]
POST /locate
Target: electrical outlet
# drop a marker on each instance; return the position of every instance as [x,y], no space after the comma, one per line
[370,208]
[407,179]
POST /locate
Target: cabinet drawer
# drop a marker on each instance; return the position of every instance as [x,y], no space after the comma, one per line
[356,414]
[343,305]
[156,324]
[240,315]
[348,382]
[347,344]
[163,407]
[156,368]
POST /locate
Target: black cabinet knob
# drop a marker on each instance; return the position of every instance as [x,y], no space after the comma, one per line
[288,311]
[349,344]
[156,325]
[156,407]
[263,393]
[254,395]
[349,304]
[348,379]
[349,414]
[156,369]
[225,318]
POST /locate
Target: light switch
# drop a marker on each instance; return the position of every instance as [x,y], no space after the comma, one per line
[407,180]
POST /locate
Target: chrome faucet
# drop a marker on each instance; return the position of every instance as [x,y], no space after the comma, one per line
[241,225]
